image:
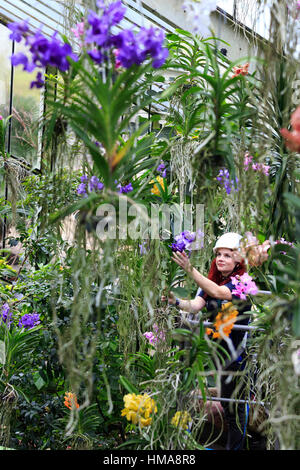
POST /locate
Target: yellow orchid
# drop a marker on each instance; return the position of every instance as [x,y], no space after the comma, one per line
[138,408]
[181,419]
[155,190]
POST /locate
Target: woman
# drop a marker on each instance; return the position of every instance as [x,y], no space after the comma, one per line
[216,289]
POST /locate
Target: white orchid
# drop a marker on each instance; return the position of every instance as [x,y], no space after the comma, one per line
[199,15]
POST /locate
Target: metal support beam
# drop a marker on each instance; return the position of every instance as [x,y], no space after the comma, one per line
[232,400]
[236,326]
[207,323]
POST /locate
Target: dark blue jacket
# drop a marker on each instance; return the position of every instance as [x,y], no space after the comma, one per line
[214,307]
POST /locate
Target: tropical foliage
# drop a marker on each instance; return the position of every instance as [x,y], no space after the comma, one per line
[90,356]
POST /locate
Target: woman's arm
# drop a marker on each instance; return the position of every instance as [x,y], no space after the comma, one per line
[192,306]
[210,287]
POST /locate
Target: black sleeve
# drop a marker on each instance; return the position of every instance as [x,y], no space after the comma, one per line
[229,285]
[201,293]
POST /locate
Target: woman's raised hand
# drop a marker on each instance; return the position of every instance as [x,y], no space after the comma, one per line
[171,298]
[182,260]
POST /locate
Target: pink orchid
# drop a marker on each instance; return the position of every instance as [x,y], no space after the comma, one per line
[244,286]
[150,337]
[251,239]
[261,167]
[160,334]
[282,241]
[155,338]
[245,278]
[117,61]
[234,281]
[265,169]
[78,31]
[247,160]
[255,166]
[255,253]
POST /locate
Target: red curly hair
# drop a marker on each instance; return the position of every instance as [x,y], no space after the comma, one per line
[215,275]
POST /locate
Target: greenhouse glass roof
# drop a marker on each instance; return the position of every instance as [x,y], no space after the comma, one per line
[50,13]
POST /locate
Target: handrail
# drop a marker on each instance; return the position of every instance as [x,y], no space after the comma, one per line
[232,400]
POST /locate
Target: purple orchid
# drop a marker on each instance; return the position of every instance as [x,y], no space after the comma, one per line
[132,48]
[228,183]
[44,52]
[21,59]
[29,321]
[127,188]
[90,185]
[38,82]
[187,240]
[19,30]
[6,314]
[162,169]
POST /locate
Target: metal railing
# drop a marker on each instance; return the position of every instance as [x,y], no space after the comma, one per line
[232,400]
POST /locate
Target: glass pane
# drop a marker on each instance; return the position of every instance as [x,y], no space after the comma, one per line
[50,13]
[226,5]
[255,15]
[5,52]
[25,114]
[5,79]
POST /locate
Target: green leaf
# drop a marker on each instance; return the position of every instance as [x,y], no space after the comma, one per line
[128,385]
[202,386]
[38,381]
[296,320]
[181,292]
[70,209]
[293,199]
[172,88]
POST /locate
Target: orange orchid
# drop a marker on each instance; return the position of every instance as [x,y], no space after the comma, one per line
[292,138]
[70,400]
[224,321]
[241,70]
[209,331]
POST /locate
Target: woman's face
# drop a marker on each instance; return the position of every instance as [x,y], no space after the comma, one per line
[225,261]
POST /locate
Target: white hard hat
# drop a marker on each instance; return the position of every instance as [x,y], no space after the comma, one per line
[229,240]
